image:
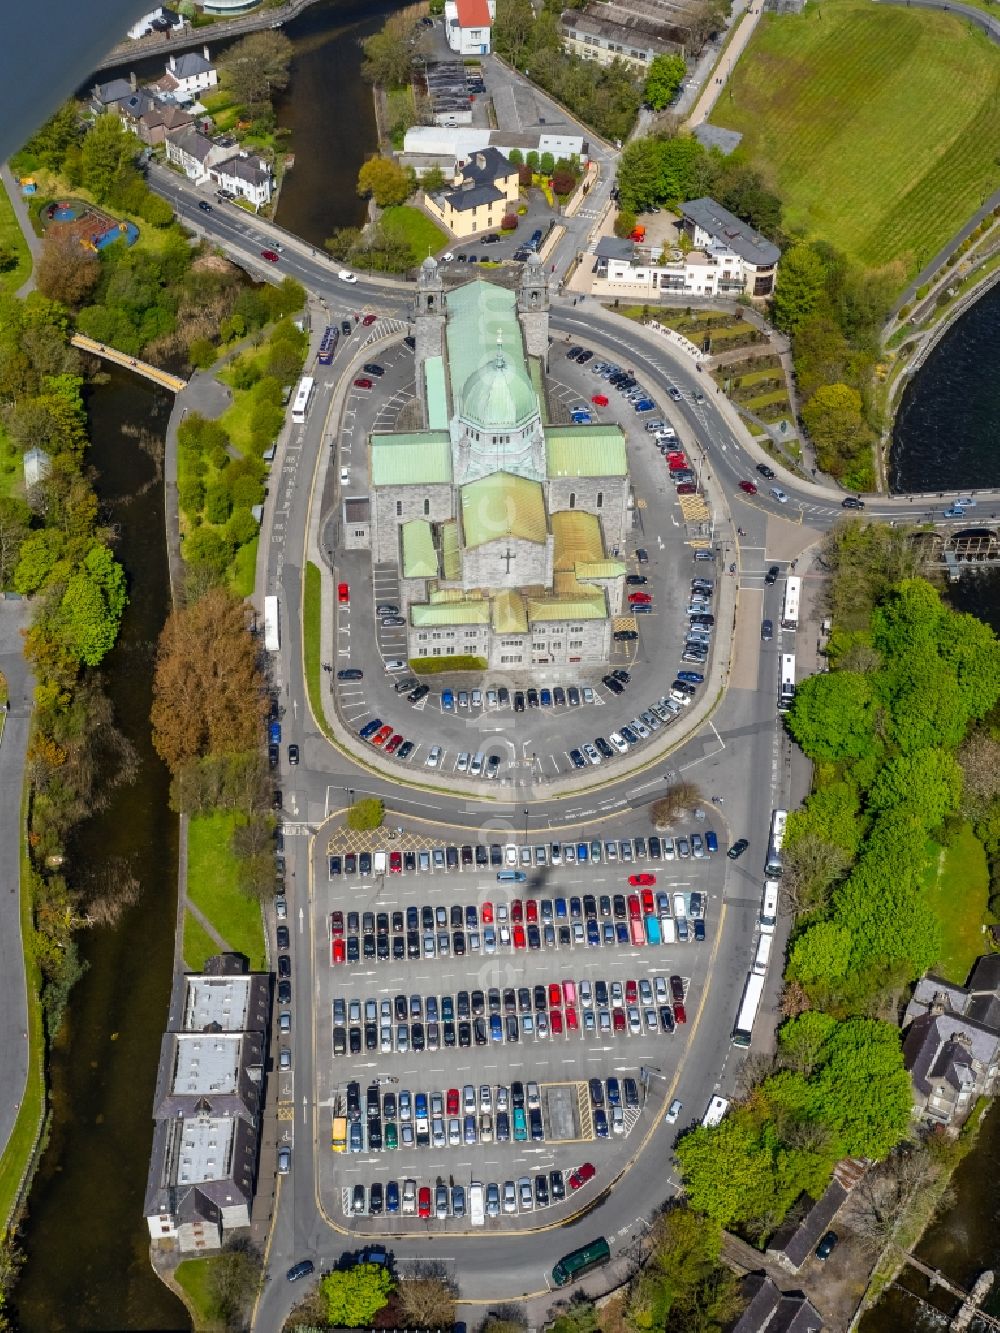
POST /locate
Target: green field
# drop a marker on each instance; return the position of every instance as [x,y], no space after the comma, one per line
[193,1277]
[198,944]
[212,886]
[312,612]
[423,234]
[877,126]
[10,235]
[957,888]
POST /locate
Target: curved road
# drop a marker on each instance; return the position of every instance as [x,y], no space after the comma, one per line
[740,753]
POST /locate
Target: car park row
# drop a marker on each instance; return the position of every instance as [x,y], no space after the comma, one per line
[479,1202]
[587,1008]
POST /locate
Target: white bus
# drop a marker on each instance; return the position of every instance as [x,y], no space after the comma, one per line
[769,907]
[717,1108]
[772,866]
[303,397]
[749,1005]
[763,957]
[272,632]
[786,681]
[790,607]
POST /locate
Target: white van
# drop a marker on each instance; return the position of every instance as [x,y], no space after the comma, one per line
[717,1108]
[379,863]
[477,1212]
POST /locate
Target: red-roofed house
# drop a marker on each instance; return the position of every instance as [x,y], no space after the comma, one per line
[467,25]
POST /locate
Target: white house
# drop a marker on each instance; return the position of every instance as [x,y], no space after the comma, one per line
[193,152]
[160,19]
[188,75]
[451,148]
[248,177]
[467,25]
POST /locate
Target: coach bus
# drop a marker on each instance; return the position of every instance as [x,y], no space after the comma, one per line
[786,681]
[303,397]
[790,607]
[328,346]
[749,1005]
[772,867]
[769,907]
[584,1260]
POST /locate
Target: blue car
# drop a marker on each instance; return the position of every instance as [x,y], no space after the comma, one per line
[448,699]
[645,405]
[546,698]
[274,733]
[582,853]
[560,907]
[392,1197]
[496,1028]
[582,418]
[370,728]
[692,677]
[956,511]
[593,934]
[711,841]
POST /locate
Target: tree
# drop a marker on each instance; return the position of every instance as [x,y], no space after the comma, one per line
[640,174]
[427,1297]
[88,615]
[208,696]
[385,181]
[821,953]
[234,1276]
[355,1295]
[388,58]
[678,798]
[432,180]
[108,154]
[201,353]
[15,522]
[833,418]
[257,67]
[726,1170]
[366,814]
[927,784]
[625,223]
[832,716]
[8,256]
[547,164]
[666,74]
[801,279]
[343,241]
[51,142]
[862,1087]
[515,157]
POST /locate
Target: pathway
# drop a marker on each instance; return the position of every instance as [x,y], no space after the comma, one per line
[14,617]
[24,222]
[162,377]
[712,91]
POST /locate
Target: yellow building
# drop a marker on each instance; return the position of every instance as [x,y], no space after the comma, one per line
[488,190]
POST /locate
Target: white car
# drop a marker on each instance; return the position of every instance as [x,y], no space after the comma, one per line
[673,1111]
[447,257]
[591,752]
[619,742]
[510,854]
[463,762]
[345,275]
[433,757]
[409,1197]
[779,495]
[509,1197]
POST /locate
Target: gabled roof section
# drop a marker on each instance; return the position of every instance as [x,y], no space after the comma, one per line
[585,451]
[577,537]
[419,556]
[731,231]
[437,393]
[510,615]
[503,505]
[600,569]
[477,312]
[450,613]
[473,14]
[419,459]
[568,608]
[451,551]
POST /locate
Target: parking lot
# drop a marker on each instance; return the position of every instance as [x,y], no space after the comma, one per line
[477,1027]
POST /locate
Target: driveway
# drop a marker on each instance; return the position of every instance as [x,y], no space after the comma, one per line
[13,999]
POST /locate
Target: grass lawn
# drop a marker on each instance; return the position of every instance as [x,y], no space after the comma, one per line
[877,126]
[198,944]
[10,235]
[243,569]
[423,234]
[193,1276]
[212,885]
[21,1143]
[957,888]
[312,612]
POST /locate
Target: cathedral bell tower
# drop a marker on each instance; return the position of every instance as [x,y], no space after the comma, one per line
[533,309]
[428,320]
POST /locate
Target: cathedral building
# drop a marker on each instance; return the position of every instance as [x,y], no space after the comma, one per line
[507,532]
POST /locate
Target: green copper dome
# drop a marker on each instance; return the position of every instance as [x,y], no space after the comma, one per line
[499,396]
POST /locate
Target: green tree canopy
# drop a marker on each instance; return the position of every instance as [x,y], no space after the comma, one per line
[666,74]
[385,180]
[926,783]
[355,1295]
[109,152]
[366,814]
[91,607]
[799,290]
[833,714]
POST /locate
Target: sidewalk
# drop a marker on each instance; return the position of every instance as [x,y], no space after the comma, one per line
[24,222]
[712,91]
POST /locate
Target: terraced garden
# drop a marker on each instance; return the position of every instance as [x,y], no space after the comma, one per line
[877,126]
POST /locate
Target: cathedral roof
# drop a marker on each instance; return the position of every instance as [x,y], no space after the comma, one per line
[450,613]
[510,615]
[577,537]
[476,313]
[499,395]
[416,459]
[419,556]
[503,505]
[585,451]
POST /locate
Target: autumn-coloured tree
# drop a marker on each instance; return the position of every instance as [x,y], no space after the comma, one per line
[66,271]
[208,692]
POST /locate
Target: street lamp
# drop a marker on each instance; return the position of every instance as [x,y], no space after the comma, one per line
[525,824]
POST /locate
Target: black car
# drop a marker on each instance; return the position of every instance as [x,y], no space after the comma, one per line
[557,1186]
[577,759]
[398,948]
[517,1096]
[282,936]
[496,854]
[625,635]
[284,965]
[540,999]
[482,856]
[355,1034]
[304,1268]
[642,555]
[503,696]
[345,327]
[351,673]
[826,1245]
[532,698]
[375,1197]
[603,748]
[411,342]
[613,685]
[737,849]
[573,695]
[375,1134]
[293,754]
[353,949]
[766,471]
[421,692]
[630,1091]
[518,701]
[558,695]
[621,676]
[273,756]
[772,575]
[852,502]
[284,992]
[335,866]
[465,1034]
[373,368]
[404,752]
[636,580]
[541,1191]
[365,863]
[596,1092]
[204,205]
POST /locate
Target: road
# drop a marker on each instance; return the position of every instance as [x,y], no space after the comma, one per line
[740,754]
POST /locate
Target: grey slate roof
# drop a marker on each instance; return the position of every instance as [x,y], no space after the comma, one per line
[244,169]
[934,1035]
[985,975]
[193,142]
[113,91]
[797,1240]
[726,227]
[189,65]
[473,196]
[487,166]
[614,247]
[763,1297]
[243,1102]
[795,1314]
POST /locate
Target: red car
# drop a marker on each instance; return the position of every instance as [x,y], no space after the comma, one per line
[581,1175]
[618,1019]
[424,1201]
[679,466]
[338,951]
[270,255]
[639,599]
[382,735]
[648,903]
[452,1101]
[362,382]
[393,746]
[395,858]
[676,459]
[634,909]
[519,940]
[343,594]
[555,994]
[572,1022]
[642,881]
[369,320]
[531,911]
[486,912]
[336,924]
[631,992]
[680,1014]
[555,1022]
[687,488]
[599,400]
[517,910]
[748,487]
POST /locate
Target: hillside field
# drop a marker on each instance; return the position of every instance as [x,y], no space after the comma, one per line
[878,126]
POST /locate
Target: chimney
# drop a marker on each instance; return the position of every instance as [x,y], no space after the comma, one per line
[204,51]
[173,62]
[133,81]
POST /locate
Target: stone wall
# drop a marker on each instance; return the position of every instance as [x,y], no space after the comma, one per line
[612,511]
[486,567]
[431,502]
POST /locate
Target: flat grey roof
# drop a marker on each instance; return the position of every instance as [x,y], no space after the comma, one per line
[714,136]
[206,1062]
[220,1002]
